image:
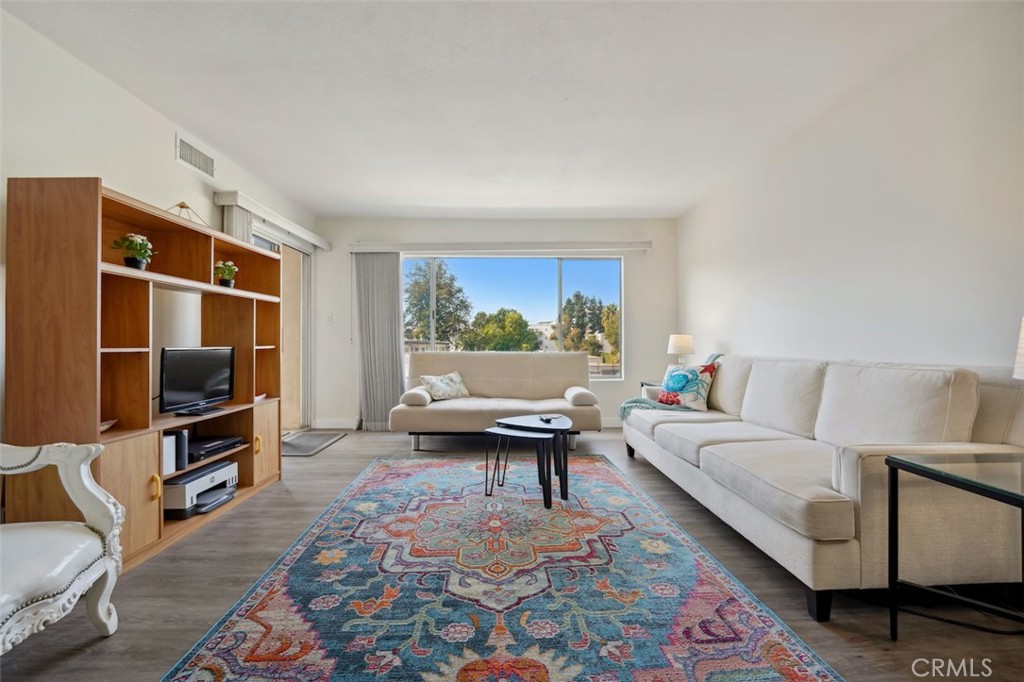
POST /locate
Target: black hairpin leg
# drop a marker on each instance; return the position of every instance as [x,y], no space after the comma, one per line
[489,479]
[544,471]
[504,471]
[563,454]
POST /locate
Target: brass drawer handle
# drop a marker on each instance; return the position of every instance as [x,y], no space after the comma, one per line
[257,445]
[155,478]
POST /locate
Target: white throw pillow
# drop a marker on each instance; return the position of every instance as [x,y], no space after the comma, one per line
[445,386]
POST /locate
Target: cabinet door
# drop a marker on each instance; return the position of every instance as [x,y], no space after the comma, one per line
[266,441]
[130,471]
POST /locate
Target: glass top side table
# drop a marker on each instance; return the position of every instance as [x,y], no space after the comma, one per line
[997,476]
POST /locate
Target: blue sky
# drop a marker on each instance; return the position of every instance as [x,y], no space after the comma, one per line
[530,285]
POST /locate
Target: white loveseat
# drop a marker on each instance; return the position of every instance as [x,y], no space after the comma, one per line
[791,454]
[500,384]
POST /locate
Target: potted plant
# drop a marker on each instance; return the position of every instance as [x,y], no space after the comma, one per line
[225,271]
[136,248]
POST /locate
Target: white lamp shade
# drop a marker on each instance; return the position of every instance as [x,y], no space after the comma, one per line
[680,344]
[1018,367]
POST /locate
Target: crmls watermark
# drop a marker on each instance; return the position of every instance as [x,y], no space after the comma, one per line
[947,668]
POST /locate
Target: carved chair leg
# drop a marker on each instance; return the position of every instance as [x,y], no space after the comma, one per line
[101,612]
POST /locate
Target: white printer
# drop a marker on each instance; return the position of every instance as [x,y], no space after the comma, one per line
[200,490]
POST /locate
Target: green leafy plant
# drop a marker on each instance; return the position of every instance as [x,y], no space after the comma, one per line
[225,269]
[135,246]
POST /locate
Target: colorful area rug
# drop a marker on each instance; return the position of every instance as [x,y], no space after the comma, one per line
[413,574]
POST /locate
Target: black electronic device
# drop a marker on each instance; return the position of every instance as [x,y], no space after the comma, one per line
[201,448]
[192,380]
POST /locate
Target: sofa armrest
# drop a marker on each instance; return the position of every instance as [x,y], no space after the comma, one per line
[852,463]
[650,392]
[580,397]
[416,397]
[859,473]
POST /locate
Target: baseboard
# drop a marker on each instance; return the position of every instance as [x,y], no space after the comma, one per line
[328,423]
[611,423]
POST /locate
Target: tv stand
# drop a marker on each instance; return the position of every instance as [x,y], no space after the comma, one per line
[198,411]
[91,323]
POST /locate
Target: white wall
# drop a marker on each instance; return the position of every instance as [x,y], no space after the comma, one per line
[890,229]
[61,118]
[649,297]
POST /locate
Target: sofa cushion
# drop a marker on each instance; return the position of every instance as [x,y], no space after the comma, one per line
[784,395]
[884,403]
[494,374]
[473,415]
[686,440]
[646,421]
[790,480]
[1000,407]
[726,393]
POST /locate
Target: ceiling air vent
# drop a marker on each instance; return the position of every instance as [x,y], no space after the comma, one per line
[192,157]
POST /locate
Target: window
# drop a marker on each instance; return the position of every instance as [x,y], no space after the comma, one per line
[516,304]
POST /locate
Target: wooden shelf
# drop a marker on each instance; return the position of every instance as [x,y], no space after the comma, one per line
[174,530]
[97,326]
[208,460]
[125,209]
[173,283]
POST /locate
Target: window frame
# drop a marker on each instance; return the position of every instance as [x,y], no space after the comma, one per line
[559,259]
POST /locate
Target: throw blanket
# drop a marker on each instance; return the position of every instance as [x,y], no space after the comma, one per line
[647,404]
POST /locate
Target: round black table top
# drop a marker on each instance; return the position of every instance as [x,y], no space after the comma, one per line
[537,422]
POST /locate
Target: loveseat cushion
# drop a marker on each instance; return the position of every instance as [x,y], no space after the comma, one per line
[43,558]
[491,374]
[789,480]
[473,415]
[784,395]
[884,403]
[686,440]
[646,421]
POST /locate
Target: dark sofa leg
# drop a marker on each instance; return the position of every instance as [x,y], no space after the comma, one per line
[415,442]
[630,450]
[819,604]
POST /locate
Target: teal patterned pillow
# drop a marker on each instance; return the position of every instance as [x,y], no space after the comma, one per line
[688,387]
[446,386]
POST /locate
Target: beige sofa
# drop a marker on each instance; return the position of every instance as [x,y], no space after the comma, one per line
[790,454]
[500,384]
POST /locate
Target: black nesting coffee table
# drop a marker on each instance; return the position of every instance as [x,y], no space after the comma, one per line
[559,426]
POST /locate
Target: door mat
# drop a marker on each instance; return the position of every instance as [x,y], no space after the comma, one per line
[308,443]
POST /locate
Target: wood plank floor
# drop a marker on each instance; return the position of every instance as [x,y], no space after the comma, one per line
[168,603]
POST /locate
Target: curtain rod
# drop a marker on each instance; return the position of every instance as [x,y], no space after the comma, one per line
[493,247]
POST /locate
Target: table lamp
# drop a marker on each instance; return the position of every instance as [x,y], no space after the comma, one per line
[1018,367]
[680,345]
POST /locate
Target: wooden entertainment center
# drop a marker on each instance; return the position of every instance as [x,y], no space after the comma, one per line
[80,350]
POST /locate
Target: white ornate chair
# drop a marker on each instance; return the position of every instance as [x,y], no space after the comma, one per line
[46,566]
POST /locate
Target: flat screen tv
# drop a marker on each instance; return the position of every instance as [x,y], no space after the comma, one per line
[192,380]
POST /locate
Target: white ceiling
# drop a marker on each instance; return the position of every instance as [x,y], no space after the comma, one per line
[557,109]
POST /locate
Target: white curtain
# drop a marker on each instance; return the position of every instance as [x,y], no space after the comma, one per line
[379,300]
